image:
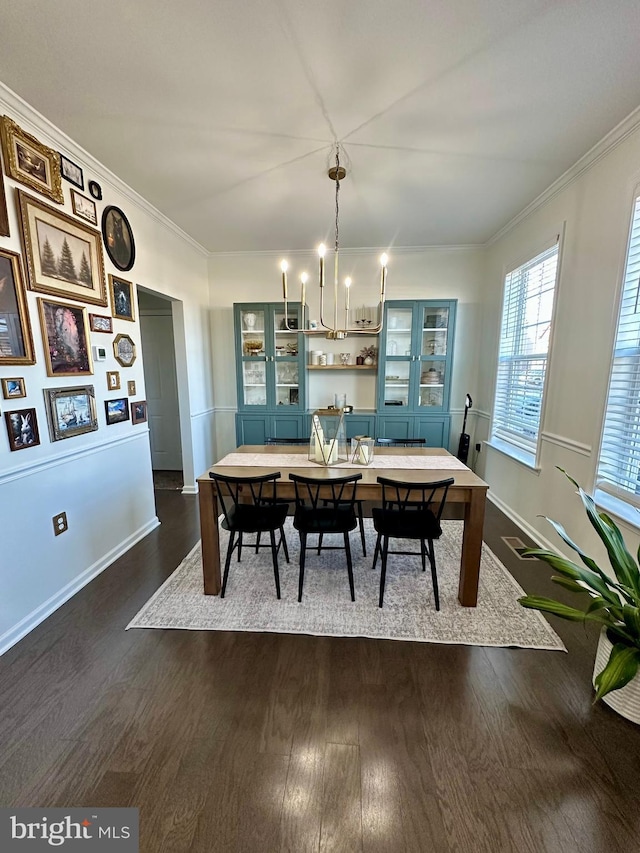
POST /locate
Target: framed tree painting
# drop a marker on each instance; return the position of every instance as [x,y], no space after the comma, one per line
[16,343]
[29,161]
[118,238]
[65,333]
[63,256]
[22,429]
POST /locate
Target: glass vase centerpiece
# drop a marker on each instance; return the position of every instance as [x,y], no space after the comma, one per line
[328,441]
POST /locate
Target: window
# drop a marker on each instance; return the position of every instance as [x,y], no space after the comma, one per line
[619,461]
[525,334]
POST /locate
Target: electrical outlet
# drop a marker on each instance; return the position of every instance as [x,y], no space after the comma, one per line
[478,447]
[60,523]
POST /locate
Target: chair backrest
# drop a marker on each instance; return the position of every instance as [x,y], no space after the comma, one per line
[286,441]
[312,492]
[246,490]
[401,496]
[401,442]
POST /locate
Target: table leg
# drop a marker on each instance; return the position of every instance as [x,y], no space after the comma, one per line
[208,504]
[471,548]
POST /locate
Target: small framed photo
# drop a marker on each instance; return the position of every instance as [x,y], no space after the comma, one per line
[29,161]
[13,388]
[116,410]
[100,323]
[139,412]
[70,411]
[113,380]
[65,333]
[71,172]
[131,387]
[84,207]
[22,428]
[124,350]
[121,298]
[293,396]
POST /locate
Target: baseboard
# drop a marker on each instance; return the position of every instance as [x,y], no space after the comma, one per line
[189,490]
[33,619]
[531,532]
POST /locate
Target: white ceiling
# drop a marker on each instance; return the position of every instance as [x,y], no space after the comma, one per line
[454,114]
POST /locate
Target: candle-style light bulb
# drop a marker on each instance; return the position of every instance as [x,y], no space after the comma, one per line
[383,273]
[284,266]
[303,289]
[347,285]
[321,253]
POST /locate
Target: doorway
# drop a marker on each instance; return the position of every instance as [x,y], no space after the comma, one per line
[160,379]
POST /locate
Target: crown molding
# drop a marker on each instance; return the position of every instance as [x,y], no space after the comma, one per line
[34,122]
[607,144]
[391,250]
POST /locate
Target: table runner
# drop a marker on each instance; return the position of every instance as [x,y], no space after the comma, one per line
[301,460]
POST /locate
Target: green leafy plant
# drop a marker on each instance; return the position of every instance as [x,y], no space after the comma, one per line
[369,352]
[612,601]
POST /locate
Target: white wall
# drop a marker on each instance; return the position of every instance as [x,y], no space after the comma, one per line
[101,479]
[454,273]
[595,207]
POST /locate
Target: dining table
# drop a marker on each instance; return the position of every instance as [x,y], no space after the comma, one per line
[466,498]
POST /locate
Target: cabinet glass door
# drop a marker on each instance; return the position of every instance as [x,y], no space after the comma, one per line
[254,376]
[252,332]
[435,327]
[287,362]
[396,382]
[431,393]
[287,382]
[398,333]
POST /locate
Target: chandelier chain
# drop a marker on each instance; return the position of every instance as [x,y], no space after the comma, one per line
[337,192]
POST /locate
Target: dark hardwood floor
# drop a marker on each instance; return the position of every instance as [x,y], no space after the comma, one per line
[264,743]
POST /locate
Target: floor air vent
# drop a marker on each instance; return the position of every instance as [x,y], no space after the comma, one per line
[517,546]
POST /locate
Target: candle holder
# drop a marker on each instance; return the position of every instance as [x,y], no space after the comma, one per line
[362,450]
[328,440]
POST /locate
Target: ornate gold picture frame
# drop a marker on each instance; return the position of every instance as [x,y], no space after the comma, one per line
[63,256]
[124,350]
[16,343]
[65,334]
[31,162]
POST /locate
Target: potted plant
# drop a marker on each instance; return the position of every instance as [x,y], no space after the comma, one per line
[612,600]
[368,355]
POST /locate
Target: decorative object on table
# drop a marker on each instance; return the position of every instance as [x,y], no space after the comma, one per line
[118,238]
[347,409]
[100,323]
[345,358]
[328,441]
[84,207]
[29,161]
[70,411]
[95,190]
[131,387]
[253,347]
[116,411]
[65,333]
[339,401]
[71,172]
[340,328]
[13,388]
[124,350]
[16,344]
[63,256]
[609,599]
[362,449]
[4,213]
[122,298]
[22,429]
[139,412]
[369,355]
[113,380]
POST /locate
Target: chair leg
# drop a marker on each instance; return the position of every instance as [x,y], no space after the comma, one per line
[361,523]
[257,542]
[376,552]
[283,542]
[423,554]
[347,548]
[227,563]
[434,576]
[320,543]
[383,573]
[274,557]
[303,551]
[239,546]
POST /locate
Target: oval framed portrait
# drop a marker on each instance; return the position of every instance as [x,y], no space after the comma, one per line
[118,238]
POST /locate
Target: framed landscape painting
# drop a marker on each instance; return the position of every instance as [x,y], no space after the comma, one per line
[65,333]
[84,207]
[13,388]
[63,256]
[70,411]
[16,343]
[22,429]
[116,410]
[29,161]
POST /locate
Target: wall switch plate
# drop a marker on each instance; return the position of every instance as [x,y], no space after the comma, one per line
[60,524]
[99,353]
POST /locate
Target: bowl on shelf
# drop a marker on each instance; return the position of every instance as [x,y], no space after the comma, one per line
[253,347]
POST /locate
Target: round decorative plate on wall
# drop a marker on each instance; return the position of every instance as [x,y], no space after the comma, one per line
[118,238]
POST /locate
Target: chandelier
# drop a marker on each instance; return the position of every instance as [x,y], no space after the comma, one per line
[337,331]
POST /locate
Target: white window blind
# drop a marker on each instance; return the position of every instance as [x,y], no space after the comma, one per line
[527,313]
[619,462]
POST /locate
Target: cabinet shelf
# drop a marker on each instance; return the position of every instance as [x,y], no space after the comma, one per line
[341,367]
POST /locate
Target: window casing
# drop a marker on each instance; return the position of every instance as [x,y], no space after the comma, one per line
[619,458]
[525,335]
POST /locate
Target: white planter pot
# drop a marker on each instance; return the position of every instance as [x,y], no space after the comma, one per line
[626,700]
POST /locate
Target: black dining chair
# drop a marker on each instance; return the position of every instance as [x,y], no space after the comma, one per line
[410,511]
[298,441]
[401,442]
[323,507]
[249,506]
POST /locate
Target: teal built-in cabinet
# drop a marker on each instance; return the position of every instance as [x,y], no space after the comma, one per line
[414,372]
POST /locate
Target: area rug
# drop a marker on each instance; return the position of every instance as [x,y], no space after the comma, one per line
[250,603]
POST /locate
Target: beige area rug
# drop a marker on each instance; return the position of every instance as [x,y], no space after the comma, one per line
[326,609]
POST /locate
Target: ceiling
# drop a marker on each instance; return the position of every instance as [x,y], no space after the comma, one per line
[453,116]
